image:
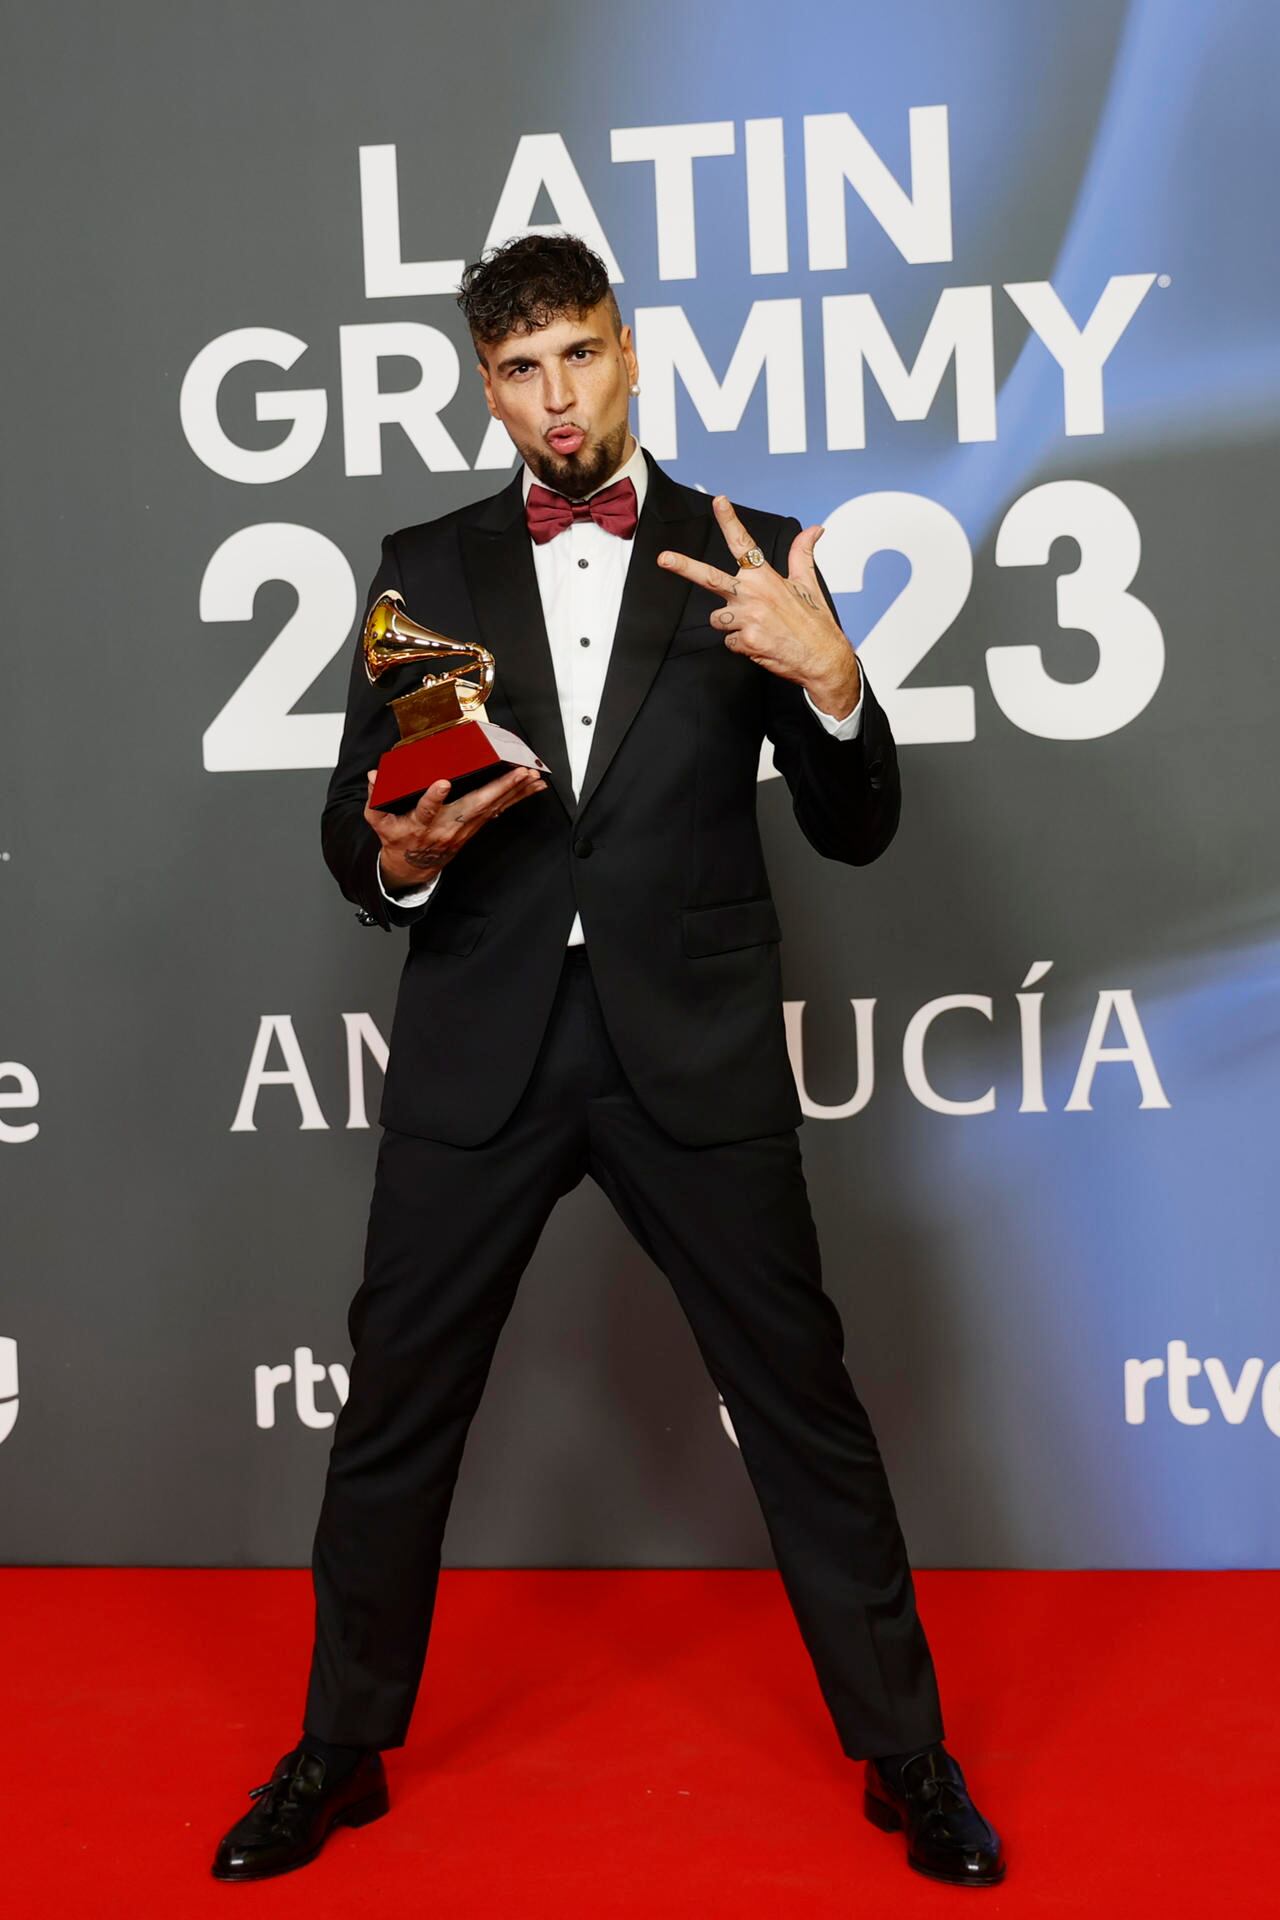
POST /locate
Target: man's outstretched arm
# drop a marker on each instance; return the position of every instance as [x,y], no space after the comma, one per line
[846,793]
[842,770]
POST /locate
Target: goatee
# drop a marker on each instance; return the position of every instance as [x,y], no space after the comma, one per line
[580,473]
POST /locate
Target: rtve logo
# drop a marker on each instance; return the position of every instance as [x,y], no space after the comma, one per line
[307,1374]
[8,1385]
[1179,1368]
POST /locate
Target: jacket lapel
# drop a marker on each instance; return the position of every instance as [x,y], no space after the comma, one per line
[652,602]
[497,562]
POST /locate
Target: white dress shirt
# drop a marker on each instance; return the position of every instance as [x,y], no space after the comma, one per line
[581,574]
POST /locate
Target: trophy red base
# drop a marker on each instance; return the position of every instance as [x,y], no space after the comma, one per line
[467,754]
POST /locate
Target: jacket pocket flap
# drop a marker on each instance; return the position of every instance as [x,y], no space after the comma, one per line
[742,923]
[445,930]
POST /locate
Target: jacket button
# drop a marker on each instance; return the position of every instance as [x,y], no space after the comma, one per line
[875,773]
[583,848]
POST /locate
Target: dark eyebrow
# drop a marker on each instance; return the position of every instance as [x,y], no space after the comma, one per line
[521,359]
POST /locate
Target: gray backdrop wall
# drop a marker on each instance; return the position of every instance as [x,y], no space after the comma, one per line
[990,290]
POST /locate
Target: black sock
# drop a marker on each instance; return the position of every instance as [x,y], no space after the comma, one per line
[891,1764]
[338,1761]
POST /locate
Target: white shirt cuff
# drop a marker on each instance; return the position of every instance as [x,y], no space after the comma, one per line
[415,899]
[847,728]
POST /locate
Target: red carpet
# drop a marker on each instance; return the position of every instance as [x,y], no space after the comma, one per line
[642,1745]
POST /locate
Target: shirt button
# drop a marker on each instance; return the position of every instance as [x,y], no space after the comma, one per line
[584,643]
[584,563]
[586,719]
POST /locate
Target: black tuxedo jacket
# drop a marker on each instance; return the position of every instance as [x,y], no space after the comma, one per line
[660,853]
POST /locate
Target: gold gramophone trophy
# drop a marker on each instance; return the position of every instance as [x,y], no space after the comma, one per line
[444,731]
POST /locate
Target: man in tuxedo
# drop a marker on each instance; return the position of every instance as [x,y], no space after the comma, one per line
[593,987]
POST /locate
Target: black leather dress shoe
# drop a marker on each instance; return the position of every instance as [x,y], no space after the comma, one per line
[947,1837]
[294,1813]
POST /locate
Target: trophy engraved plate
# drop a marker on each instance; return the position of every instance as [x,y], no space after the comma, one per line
[445,733]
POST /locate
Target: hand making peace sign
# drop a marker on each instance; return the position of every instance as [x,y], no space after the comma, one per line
[784,625]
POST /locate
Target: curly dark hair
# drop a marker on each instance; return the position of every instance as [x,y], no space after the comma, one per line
[530,281]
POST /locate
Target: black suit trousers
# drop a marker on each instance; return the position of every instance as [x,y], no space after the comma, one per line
[451,1230]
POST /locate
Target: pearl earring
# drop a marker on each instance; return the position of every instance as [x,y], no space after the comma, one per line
[635,390]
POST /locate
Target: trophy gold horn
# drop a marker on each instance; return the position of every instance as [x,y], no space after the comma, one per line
[392,638]
[445,732]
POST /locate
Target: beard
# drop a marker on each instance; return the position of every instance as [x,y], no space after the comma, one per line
[575,475]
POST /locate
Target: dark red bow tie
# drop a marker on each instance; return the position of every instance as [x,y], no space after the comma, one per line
[613,508]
